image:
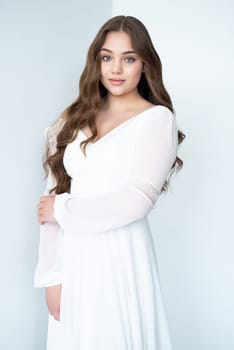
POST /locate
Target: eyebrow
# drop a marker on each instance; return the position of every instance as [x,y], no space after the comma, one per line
[124,53]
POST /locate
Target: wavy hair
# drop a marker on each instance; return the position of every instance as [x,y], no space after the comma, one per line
[83,110]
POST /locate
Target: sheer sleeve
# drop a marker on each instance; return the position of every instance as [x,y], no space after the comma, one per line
[155,151]
[48,268]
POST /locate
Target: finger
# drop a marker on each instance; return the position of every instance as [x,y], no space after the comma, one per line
[40,220]
[42,206]
[47,196]
[40,211]
[44,198]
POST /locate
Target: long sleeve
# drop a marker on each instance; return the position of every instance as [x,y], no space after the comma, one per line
[48,268]
[155,151]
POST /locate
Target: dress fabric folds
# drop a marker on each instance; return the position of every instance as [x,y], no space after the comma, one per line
[101,248]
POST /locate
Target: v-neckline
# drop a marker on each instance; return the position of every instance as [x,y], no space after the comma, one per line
[119,125]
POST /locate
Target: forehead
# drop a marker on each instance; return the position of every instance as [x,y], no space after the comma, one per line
[117,41]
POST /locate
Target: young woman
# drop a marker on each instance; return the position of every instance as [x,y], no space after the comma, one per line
[109,157]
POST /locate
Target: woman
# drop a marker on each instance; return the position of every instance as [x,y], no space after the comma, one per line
[109,157]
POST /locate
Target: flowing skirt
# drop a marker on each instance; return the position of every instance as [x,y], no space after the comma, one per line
[111,294]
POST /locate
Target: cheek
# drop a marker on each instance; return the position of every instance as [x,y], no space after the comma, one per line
[104,70]
[136,74]
[135,71]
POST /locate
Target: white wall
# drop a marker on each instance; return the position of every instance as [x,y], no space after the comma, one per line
[43,47]
[193,224]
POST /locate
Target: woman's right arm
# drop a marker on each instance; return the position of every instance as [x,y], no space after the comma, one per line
[48,269]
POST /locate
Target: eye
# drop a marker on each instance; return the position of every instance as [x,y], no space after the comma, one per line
[129,59]
[106,58]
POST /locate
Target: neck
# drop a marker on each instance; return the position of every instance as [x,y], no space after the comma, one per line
[118,103]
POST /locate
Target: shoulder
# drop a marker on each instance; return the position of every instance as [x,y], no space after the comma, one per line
[156,116]
[156,127]
[51,131]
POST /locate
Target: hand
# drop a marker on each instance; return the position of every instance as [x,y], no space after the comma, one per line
[46,209]
[53,299]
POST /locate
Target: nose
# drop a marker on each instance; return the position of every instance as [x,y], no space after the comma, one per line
[117,67]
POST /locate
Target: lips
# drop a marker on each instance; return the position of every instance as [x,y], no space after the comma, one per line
[116,81]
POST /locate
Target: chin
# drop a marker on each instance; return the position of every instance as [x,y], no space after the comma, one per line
[118,94]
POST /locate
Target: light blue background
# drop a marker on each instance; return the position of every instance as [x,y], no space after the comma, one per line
[43,49]
[193,225]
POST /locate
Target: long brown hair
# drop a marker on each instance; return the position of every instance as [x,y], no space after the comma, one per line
[83,110]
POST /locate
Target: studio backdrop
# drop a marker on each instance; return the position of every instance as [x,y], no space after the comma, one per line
[43,49]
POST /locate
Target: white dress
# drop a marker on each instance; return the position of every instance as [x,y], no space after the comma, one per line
[101,249]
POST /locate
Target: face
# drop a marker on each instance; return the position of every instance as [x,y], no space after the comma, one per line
[121,66]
